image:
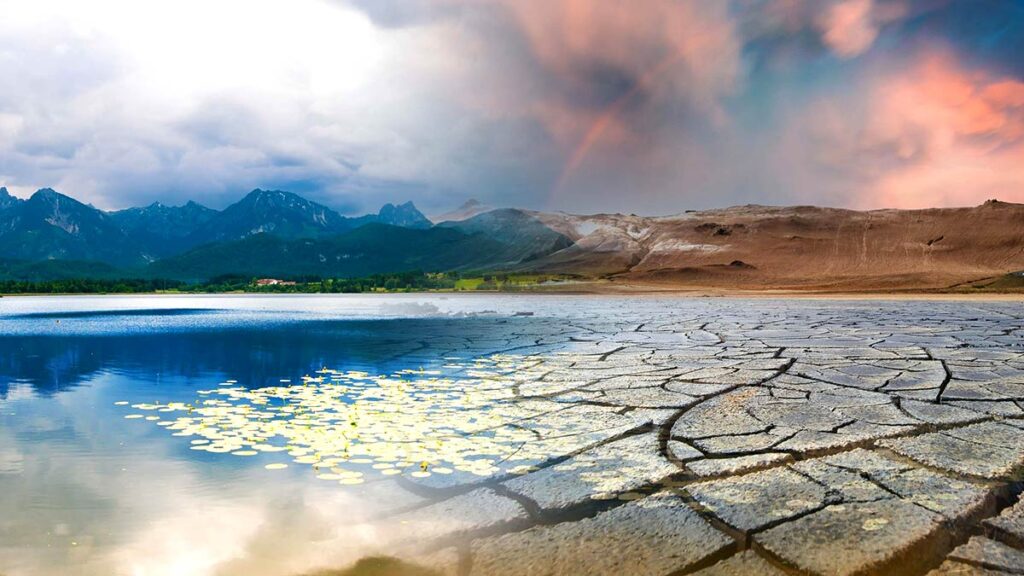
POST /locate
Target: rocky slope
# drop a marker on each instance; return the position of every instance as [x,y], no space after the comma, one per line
[525,235]
[467,210]
[795,247]
[161,230]
[52,226]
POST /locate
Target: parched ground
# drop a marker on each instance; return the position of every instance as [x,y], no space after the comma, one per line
[749,438]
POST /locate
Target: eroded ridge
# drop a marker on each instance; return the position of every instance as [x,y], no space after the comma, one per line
[735,438]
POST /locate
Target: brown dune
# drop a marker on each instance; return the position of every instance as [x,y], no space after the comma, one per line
[802,247]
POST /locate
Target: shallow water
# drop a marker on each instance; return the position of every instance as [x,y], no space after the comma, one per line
[223,435]
[88,485]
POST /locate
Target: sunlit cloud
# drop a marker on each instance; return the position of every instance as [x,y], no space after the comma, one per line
[934,134]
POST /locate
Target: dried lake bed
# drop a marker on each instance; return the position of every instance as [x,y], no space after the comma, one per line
[483,434]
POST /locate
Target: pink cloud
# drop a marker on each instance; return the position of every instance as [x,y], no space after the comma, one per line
[849,28]
[960,177]
[937,134]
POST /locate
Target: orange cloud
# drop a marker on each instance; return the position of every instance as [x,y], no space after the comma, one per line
[959,132]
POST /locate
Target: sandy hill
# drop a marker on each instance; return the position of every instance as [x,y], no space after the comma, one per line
[795,247]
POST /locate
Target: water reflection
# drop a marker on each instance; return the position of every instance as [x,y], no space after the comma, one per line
[84,491]
[256,356]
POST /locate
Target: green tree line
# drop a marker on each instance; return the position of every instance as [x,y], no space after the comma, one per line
[414,281]
[89,286]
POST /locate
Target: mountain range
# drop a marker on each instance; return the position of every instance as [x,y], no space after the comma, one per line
[266,233]
[53,226]
[281,234]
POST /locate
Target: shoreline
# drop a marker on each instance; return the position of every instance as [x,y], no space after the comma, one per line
[607,289]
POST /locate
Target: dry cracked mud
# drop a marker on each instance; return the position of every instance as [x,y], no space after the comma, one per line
[763,438]
[756,440]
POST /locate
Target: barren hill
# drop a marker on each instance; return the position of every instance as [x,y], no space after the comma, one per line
[795,247]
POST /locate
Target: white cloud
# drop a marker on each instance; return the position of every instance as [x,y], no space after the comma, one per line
[116,101]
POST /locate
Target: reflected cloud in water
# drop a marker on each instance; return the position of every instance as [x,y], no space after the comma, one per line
[88,492]
[95,494]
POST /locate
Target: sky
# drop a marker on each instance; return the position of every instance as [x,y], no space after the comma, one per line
[649,107]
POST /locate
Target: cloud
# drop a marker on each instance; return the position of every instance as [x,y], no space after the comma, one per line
[930,133]
[664,106]
[113,105]
[962,131]
[560,104]
[140,508]
[845,28]
[611,69]
[848,27]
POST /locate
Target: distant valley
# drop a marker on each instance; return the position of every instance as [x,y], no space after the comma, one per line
[282,235]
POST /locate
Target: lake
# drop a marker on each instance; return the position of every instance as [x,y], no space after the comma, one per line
[272,435]
[88,487]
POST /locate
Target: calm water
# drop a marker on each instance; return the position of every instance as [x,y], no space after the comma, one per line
[85,490]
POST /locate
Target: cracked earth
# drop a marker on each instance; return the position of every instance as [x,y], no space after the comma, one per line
[739,438]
